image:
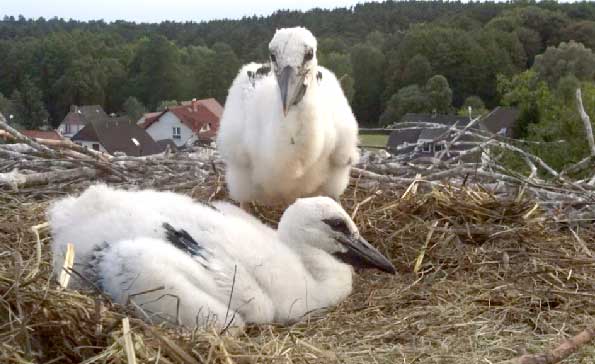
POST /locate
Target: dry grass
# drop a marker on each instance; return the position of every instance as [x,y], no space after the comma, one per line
[494,279]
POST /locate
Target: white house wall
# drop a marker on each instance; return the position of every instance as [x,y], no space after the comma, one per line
[89,145]
[163,129]
[74,128]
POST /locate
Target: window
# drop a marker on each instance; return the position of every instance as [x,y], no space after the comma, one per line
[66,128]
[427,147]
[438,147]
[205,127]
[177,133]
[95,146]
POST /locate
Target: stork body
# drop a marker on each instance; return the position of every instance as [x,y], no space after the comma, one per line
[287,130]
[187,263]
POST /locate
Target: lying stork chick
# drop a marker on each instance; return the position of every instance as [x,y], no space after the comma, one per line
[187,263]
[287,130]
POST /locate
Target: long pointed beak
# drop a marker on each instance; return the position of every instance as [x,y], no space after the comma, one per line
[284,79]
[361,254]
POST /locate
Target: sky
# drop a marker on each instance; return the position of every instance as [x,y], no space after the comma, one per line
[158,10]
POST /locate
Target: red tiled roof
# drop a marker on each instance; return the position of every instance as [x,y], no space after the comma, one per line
[207,111]
[42,134]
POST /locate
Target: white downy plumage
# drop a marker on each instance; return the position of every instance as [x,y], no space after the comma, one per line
[184,262]
[287,130]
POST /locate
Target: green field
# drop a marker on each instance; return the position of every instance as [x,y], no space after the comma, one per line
[373,140]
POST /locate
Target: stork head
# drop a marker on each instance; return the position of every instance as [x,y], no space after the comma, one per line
[293,59]
[322,223]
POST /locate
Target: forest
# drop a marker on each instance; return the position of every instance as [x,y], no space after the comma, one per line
[391,58]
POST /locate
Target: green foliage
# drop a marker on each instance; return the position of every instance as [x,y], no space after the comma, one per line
[567,86]
[368,74]
[165,104]
[526,92]
[582,32]
[347,84]
[155,72]
[409,99]
[133,108]
[5,106]
[477,107]
[560,120]
[439,94]
[375,49]
[417,71]
[28,107]
[567,59]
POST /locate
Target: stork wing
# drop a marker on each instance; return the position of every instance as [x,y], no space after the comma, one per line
[235,115]
[345,152]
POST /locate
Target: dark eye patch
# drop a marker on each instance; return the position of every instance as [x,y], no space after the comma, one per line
[273,58]
[338,225]
[309,55]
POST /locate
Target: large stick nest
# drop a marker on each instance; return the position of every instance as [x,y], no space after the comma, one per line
[481,279]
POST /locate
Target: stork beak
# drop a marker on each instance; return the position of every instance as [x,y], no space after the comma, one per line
[361,254]
[292,88]
[284,79]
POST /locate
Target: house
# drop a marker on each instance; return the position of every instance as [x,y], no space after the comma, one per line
[42,134]
[426,140]
[146,116]
[501,121]
[184,124]
[78,117]
[119,134]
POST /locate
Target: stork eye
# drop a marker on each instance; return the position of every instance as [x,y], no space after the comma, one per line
[338,225]
[309,55]
[273,58]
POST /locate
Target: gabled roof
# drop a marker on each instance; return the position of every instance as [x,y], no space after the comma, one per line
[433,133]
[398,137]
[435,118]
[42,134]
[119,135]
[195,116]
[84,114]
[501,117]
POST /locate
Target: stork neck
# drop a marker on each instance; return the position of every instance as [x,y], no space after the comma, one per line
[328,274]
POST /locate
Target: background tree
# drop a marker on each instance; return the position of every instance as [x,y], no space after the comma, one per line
[439,94]
[570,58]
[417,71]
[408,99]
[477,107]
[133,108]
[582,32]
[368,74]
[5,106]
[165,104]
[29,110]
[156,71]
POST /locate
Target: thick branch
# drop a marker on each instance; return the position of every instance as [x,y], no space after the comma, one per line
[586,121]
[15,179]
[563,351]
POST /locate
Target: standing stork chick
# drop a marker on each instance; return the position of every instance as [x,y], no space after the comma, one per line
[183,262]
[287,130]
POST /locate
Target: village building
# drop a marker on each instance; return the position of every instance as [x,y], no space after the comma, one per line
[194,121]
[78,117]
[117,135]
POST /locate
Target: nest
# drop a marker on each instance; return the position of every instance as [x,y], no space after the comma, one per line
[481,279]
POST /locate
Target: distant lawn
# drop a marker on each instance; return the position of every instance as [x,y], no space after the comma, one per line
[373,140]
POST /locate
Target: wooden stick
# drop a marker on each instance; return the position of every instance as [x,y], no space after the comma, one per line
[22,138]
[586,121]
[563,351]
[16,179]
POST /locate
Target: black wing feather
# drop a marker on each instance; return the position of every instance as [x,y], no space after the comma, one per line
[183,241]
